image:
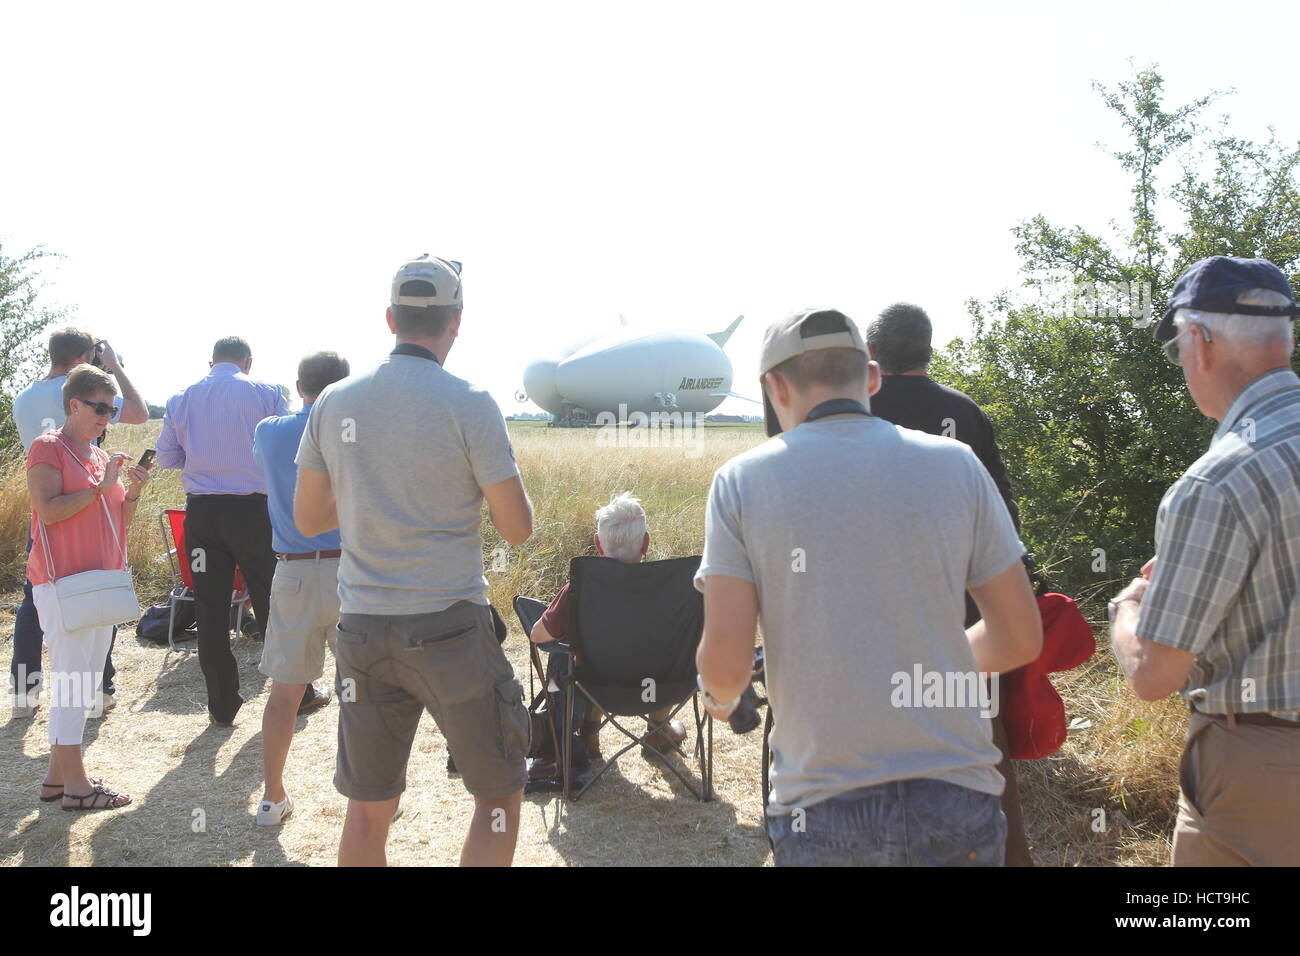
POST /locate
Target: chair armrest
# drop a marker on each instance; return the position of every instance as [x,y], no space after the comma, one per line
[554,647]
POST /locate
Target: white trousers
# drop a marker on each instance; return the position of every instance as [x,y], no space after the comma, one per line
[74,681]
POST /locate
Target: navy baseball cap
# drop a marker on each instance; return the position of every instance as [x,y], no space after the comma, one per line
[1228,284]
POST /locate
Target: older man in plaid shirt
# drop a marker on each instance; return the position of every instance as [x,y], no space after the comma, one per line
[1216,615]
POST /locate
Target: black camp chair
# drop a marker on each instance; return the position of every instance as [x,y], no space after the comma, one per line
[636,628]
[542,707]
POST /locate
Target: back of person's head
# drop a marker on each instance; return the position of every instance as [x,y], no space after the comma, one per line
[68,345]
[426,297]
[320,369]
[86,383]
[621,527]
[900,338]
[231,349]
[836,368]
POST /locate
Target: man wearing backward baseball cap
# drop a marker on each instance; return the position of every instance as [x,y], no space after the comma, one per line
[855,541]
[1215,615]
[400,460]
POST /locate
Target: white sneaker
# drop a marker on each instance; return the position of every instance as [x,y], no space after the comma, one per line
[273,814]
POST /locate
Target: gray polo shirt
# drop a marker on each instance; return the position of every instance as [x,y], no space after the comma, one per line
[1225,583]
[407,447]
[861,539]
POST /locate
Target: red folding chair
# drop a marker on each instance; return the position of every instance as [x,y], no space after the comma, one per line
[172,524]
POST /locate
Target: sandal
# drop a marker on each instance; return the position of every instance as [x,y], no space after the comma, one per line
[113,798]
[51,786]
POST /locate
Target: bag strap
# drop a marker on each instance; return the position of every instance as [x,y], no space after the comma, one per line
[49,557]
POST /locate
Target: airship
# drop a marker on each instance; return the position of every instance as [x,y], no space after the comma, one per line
[625,372]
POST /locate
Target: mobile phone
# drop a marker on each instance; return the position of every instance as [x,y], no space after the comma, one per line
[146,460]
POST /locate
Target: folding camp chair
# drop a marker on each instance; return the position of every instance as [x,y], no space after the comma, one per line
[636,628]
[542,703]
[172,524]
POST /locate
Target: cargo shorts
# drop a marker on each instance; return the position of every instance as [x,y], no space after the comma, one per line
[304,612]
[390,668]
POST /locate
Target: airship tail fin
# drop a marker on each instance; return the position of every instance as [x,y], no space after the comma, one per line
[721,337]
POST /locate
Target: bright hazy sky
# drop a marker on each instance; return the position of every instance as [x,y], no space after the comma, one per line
[263,169]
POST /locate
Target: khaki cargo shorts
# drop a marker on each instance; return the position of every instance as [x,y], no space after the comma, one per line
[303,618]
[390,668]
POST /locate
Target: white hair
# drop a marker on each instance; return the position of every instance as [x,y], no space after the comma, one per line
[1242,331]
[621,526]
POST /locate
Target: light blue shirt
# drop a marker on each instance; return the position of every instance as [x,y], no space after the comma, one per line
[208,432]
[275,445]
[39,408]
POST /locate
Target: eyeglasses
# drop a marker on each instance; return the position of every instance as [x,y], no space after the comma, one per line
[99,408]
[1171,347]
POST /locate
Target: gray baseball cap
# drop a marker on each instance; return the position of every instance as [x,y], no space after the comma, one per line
[442,274]
[800,332]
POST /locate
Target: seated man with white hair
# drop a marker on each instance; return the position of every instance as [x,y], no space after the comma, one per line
[620,534]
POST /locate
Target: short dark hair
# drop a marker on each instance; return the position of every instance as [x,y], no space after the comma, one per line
[320,369]
[231,349]
[428,321]
[900,338]
[838,367]
[68,345]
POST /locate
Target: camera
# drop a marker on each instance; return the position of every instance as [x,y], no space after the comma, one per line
[745,717]
[99,362]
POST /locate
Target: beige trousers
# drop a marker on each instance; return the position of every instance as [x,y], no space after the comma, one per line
[1239,799]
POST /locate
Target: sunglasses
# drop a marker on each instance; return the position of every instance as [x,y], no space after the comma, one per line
[99,408]
[1171,347]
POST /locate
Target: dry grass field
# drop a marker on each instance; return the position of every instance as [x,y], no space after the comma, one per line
[196,786]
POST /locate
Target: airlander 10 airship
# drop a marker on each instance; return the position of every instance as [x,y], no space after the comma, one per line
[624,372]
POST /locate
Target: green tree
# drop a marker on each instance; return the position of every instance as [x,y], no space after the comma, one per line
[22,320]
[1094,423]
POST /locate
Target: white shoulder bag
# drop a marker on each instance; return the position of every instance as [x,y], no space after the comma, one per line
[92,599]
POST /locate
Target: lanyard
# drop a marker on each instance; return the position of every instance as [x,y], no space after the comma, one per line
[837,406]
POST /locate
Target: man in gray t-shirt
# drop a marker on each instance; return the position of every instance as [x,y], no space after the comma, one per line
[855,541]
[400,460]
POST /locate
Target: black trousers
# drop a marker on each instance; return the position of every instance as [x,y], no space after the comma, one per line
[222,531]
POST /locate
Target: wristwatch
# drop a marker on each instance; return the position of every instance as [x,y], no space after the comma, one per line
[712,702]
[1112,607]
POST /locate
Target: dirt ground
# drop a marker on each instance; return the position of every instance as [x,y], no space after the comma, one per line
[196,787]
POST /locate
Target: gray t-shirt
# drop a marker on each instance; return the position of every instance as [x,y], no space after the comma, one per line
[407,447]
[861,539]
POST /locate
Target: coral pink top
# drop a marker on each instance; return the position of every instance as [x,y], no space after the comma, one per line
[82,542]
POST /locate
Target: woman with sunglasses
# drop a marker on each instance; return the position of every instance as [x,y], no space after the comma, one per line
[67,479]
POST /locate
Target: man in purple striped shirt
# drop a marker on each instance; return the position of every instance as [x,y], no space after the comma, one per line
[208,433]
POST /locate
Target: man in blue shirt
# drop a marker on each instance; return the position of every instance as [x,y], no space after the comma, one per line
[304,589]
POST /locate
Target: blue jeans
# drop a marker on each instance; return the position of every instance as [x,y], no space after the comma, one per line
[918,822]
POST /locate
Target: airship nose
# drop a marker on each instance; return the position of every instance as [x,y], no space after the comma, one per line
[539,383]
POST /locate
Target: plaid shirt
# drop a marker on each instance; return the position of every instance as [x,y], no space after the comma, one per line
[1226,584]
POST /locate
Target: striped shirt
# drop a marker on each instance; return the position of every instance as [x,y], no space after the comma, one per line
[208,432]
[1226,584]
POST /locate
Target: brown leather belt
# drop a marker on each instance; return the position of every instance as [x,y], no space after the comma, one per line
[1264,720]
[302,556]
